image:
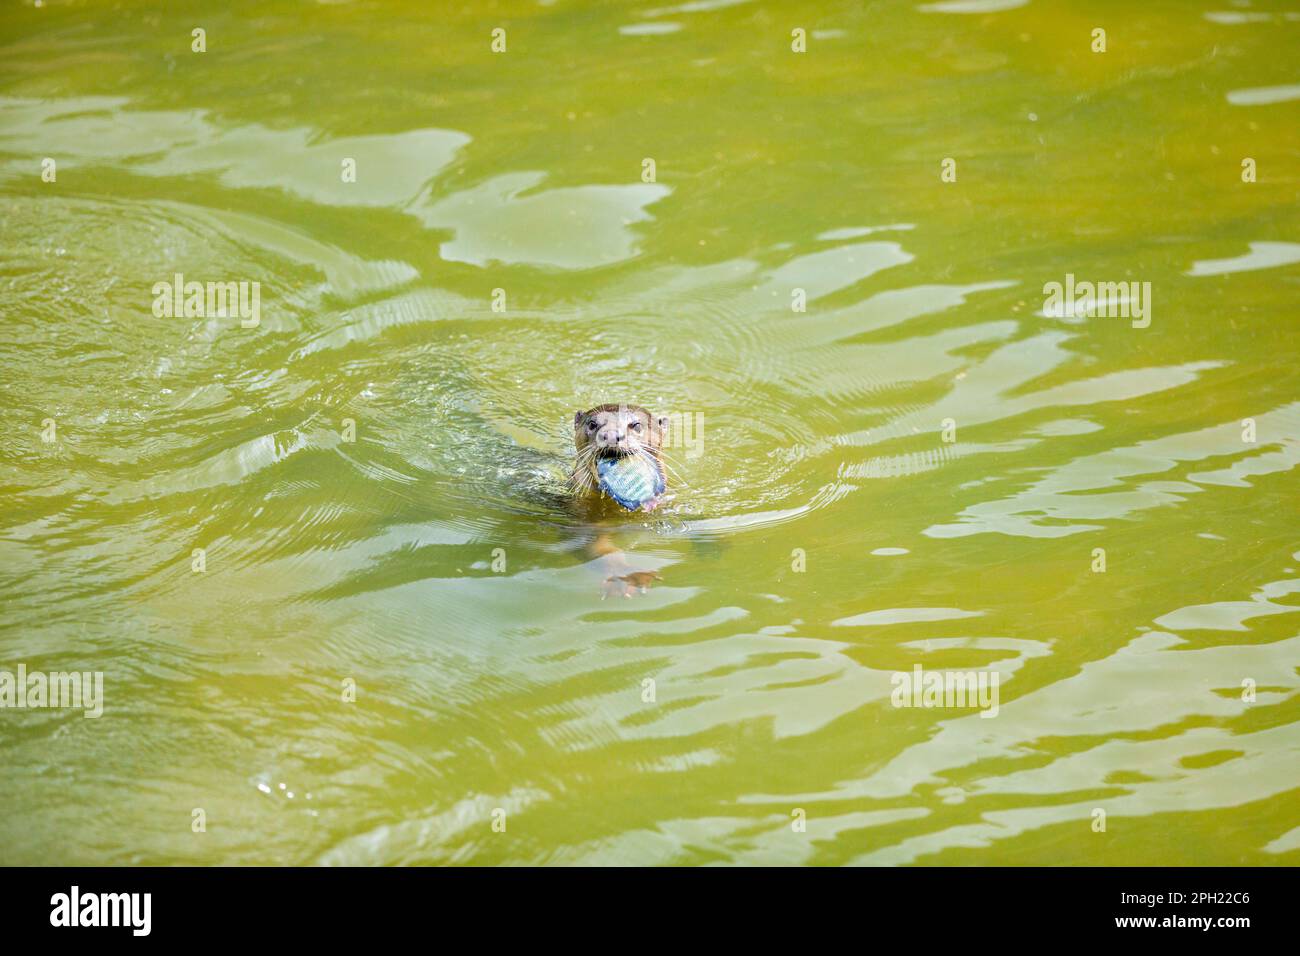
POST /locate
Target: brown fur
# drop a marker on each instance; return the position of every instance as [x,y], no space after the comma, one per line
[615,433]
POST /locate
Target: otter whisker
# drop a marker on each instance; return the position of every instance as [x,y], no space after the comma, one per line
[672,472]
[672,467]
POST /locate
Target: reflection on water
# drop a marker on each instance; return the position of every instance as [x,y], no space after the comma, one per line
[908,457]
[508,220]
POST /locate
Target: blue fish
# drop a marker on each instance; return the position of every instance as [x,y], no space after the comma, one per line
[631,480]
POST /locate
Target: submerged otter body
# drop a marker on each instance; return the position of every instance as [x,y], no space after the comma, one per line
[619,455]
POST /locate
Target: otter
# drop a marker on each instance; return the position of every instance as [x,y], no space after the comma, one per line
[610,432]
[602,437]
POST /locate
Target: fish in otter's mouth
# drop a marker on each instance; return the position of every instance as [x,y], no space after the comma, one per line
[618,454]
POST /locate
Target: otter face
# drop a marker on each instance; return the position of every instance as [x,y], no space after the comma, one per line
[617,430]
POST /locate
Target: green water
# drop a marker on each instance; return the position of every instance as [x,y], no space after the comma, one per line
[825,534]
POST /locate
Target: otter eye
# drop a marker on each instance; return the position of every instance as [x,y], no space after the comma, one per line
[591,426]
[635,426]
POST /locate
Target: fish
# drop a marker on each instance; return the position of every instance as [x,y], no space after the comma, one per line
[631,480]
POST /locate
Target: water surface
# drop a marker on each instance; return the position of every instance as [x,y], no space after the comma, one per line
[825,534]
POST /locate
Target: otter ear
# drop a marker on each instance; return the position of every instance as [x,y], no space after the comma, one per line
[663,422]
[577,419]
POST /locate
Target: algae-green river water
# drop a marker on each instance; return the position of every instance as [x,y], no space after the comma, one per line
[316,545]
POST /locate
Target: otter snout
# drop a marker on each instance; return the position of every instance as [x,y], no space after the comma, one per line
[610,439]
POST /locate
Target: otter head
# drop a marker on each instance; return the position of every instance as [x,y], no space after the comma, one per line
[612,431]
